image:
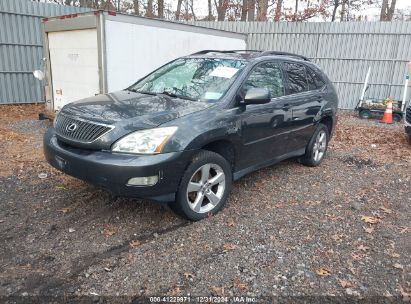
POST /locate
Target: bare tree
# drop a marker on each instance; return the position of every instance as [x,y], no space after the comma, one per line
[278,10]
[251,10]
[178,11]
[192,10]
[262,7]
[387,10]
[221,9]
[160,8]
[210,11]
[336,4]
[149,12]
[136,7]
[244,10]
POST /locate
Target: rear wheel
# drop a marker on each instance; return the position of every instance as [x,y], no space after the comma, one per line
[365,114]
[204,187]
[396,117]
[317,147]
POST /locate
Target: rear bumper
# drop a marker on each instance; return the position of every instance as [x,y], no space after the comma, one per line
[112,171]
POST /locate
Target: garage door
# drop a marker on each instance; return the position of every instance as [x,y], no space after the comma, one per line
[74,65]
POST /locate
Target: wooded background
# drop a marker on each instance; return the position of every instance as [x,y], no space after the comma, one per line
[251,10]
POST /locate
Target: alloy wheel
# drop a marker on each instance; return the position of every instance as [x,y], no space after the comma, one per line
[320,146]
[206,188]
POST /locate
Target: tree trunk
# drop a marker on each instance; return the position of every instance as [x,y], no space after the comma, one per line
[136,7]
[343,9]
[262,10]
[296,10]
[210,11]
[336,5]
[221,9]
[391,10]
[192,10]
[178,11]
[244,9]
[278,10]
[160,8]
[149,12]
[251,10]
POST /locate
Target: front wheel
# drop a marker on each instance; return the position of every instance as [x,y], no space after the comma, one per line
[317,147]
[204,187]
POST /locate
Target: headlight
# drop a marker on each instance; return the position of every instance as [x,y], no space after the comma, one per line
[149,141]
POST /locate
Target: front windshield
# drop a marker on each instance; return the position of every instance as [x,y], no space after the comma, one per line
[205,79]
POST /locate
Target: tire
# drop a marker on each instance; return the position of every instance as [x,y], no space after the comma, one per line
[396,117]
[364,114]
[311,158]
[206,198]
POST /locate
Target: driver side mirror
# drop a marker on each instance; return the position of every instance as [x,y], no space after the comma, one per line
[257,96]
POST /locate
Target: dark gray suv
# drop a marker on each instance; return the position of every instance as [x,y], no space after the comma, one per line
[183,133]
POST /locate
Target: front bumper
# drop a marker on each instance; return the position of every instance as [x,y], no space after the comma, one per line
[112,171]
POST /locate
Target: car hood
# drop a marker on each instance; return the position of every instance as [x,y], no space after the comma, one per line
[132,110]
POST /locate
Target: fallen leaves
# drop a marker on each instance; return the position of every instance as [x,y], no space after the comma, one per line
[345,283]
[240,285]
[229,247]
[231,222]
[109,230]
[405,294]
[385,210]
[368,229]
[363,248]
[403,229]
[134,243]
[219,291]
[189,275]
[398,266]
[64,210]
[370,219]
[323,271]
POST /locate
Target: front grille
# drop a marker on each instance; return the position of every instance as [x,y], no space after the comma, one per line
[408,114]
[79,130]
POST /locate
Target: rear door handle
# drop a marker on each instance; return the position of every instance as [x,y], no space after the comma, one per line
[319,98]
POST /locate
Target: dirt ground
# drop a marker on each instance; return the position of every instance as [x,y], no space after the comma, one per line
[341,230]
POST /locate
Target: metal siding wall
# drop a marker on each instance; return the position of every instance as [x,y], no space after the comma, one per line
[345,51]
[21,47]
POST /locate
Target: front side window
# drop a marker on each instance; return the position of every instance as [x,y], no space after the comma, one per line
[267,76]
[205,79]
[297,79]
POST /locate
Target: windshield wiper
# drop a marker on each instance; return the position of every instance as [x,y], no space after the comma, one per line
[171,94]
[167,93]
[142,92]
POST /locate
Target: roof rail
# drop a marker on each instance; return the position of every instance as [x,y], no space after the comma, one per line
[268,53]
[259,53]
[225,52]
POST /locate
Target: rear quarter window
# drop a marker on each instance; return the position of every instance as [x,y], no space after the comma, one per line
[314,79]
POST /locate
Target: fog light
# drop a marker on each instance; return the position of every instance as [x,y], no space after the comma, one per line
[143,181]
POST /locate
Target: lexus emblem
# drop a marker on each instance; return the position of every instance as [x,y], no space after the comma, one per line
[71,127]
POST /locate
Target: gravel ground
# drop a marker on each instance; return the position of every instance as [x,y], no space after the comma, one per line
[337,232]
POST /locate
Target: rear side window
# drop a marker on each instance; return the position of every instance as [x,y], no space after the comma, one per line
[266,75]
[297,78]
[315,81]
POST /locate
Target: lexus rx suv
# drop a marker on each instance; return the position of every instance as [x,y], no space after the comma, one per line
[182,134]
